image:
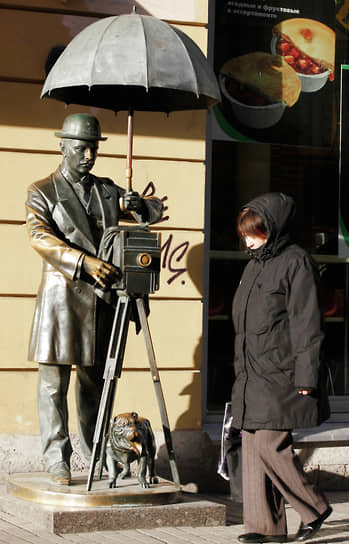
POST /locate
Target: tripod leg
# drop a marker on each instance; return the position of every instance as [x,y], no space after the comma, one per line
[112,372]
[106,423]
[116,352]
[158,389]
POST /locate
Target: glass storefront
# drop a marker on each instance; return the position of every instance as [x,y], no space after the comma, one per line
[298,154]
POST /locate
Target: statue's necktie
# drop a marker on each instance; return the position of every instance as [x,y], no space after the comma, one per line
[84,191]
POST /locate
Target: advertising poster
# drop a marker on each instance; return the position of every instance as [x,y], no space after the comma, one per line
[275,63]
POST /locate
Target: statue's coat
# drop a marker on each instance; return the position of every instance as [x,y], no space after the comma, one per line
[64,328]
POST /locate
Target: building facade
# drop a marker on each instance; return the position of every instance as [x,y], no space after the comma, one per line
[204,173]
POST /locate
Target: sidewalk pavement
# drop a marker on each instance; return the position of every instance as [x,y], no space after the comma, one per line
[335,530]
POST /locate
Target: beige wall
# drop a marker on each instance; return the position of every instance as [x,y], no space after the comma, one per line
[169,155]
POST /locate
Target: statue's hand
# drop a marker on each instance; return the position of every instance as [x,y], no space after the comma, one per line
[104,274]
[131,202]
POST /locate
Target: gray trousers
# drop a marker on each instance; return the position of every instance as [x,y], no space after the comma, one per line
[53,387]
[271,474]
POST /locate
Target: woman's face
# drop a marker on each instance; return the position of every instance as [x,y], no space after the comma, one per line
[255,242]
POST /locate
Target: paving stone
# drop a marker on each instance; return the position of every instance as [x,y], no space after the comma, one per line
[213,535]
[204,535]
[167,535]
[136,536]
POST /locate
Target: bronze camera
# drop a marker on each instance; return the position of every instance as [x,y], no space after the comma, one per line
[136,252]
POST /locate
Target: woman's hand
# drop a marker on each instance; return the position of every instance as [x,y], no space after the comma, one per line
[304,392]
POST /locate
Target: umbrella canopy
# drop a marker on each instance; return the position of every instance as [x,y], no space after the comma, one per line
[133,62]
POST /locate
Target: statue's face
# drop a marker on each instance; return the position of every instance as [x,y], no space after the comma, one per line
[79,156]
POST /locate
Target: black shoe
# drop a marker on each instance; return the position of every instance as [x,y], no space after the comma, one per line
[308,530]
[257,537]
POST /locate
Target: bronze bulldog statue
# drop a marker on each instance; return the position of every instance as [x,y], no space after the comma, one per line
[131,438]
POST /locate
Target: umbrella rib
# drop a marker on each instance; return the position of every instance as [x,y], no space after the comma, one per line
[177,32]
[146,53]
[96,49]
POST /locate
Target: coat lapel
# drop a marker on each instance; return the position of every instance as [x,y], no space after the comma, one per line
[73,210]
[107,203]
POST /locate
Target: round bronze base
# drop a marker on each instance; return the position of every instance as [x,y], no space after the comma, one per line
[38,487]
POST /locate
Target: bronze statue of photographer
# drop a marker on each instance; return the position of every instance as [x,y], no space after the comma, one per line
[67,213]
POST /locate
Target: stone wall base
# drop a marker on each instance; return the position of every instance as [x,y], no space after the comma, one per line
[196,455]
[327,466]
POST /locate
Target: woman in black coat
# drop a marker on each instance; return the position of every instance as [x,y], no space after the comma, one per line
[278,337]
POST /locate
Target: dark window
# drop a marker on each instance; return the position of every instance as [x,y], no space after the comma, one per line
[240,170]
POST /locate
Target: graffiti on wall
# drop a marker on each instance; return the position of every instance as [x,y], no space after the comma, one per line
[173,254]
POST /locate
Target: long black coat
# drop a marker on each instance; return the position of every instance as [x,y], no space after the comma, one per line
[278,332]
[71,324]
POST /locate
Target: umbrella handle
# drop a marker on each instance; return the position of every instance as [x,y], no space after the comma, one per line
[129,152]
[128,158]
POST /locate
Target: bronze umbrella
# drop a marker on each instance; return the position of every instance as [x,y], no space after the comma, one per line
[133,62]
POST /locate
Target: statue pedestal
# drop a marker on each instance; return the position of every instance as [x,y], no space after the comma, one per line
[37,487]
[72,509]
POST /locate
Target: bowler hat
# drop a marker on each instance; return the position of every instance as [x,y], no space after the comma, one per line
[81,126]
